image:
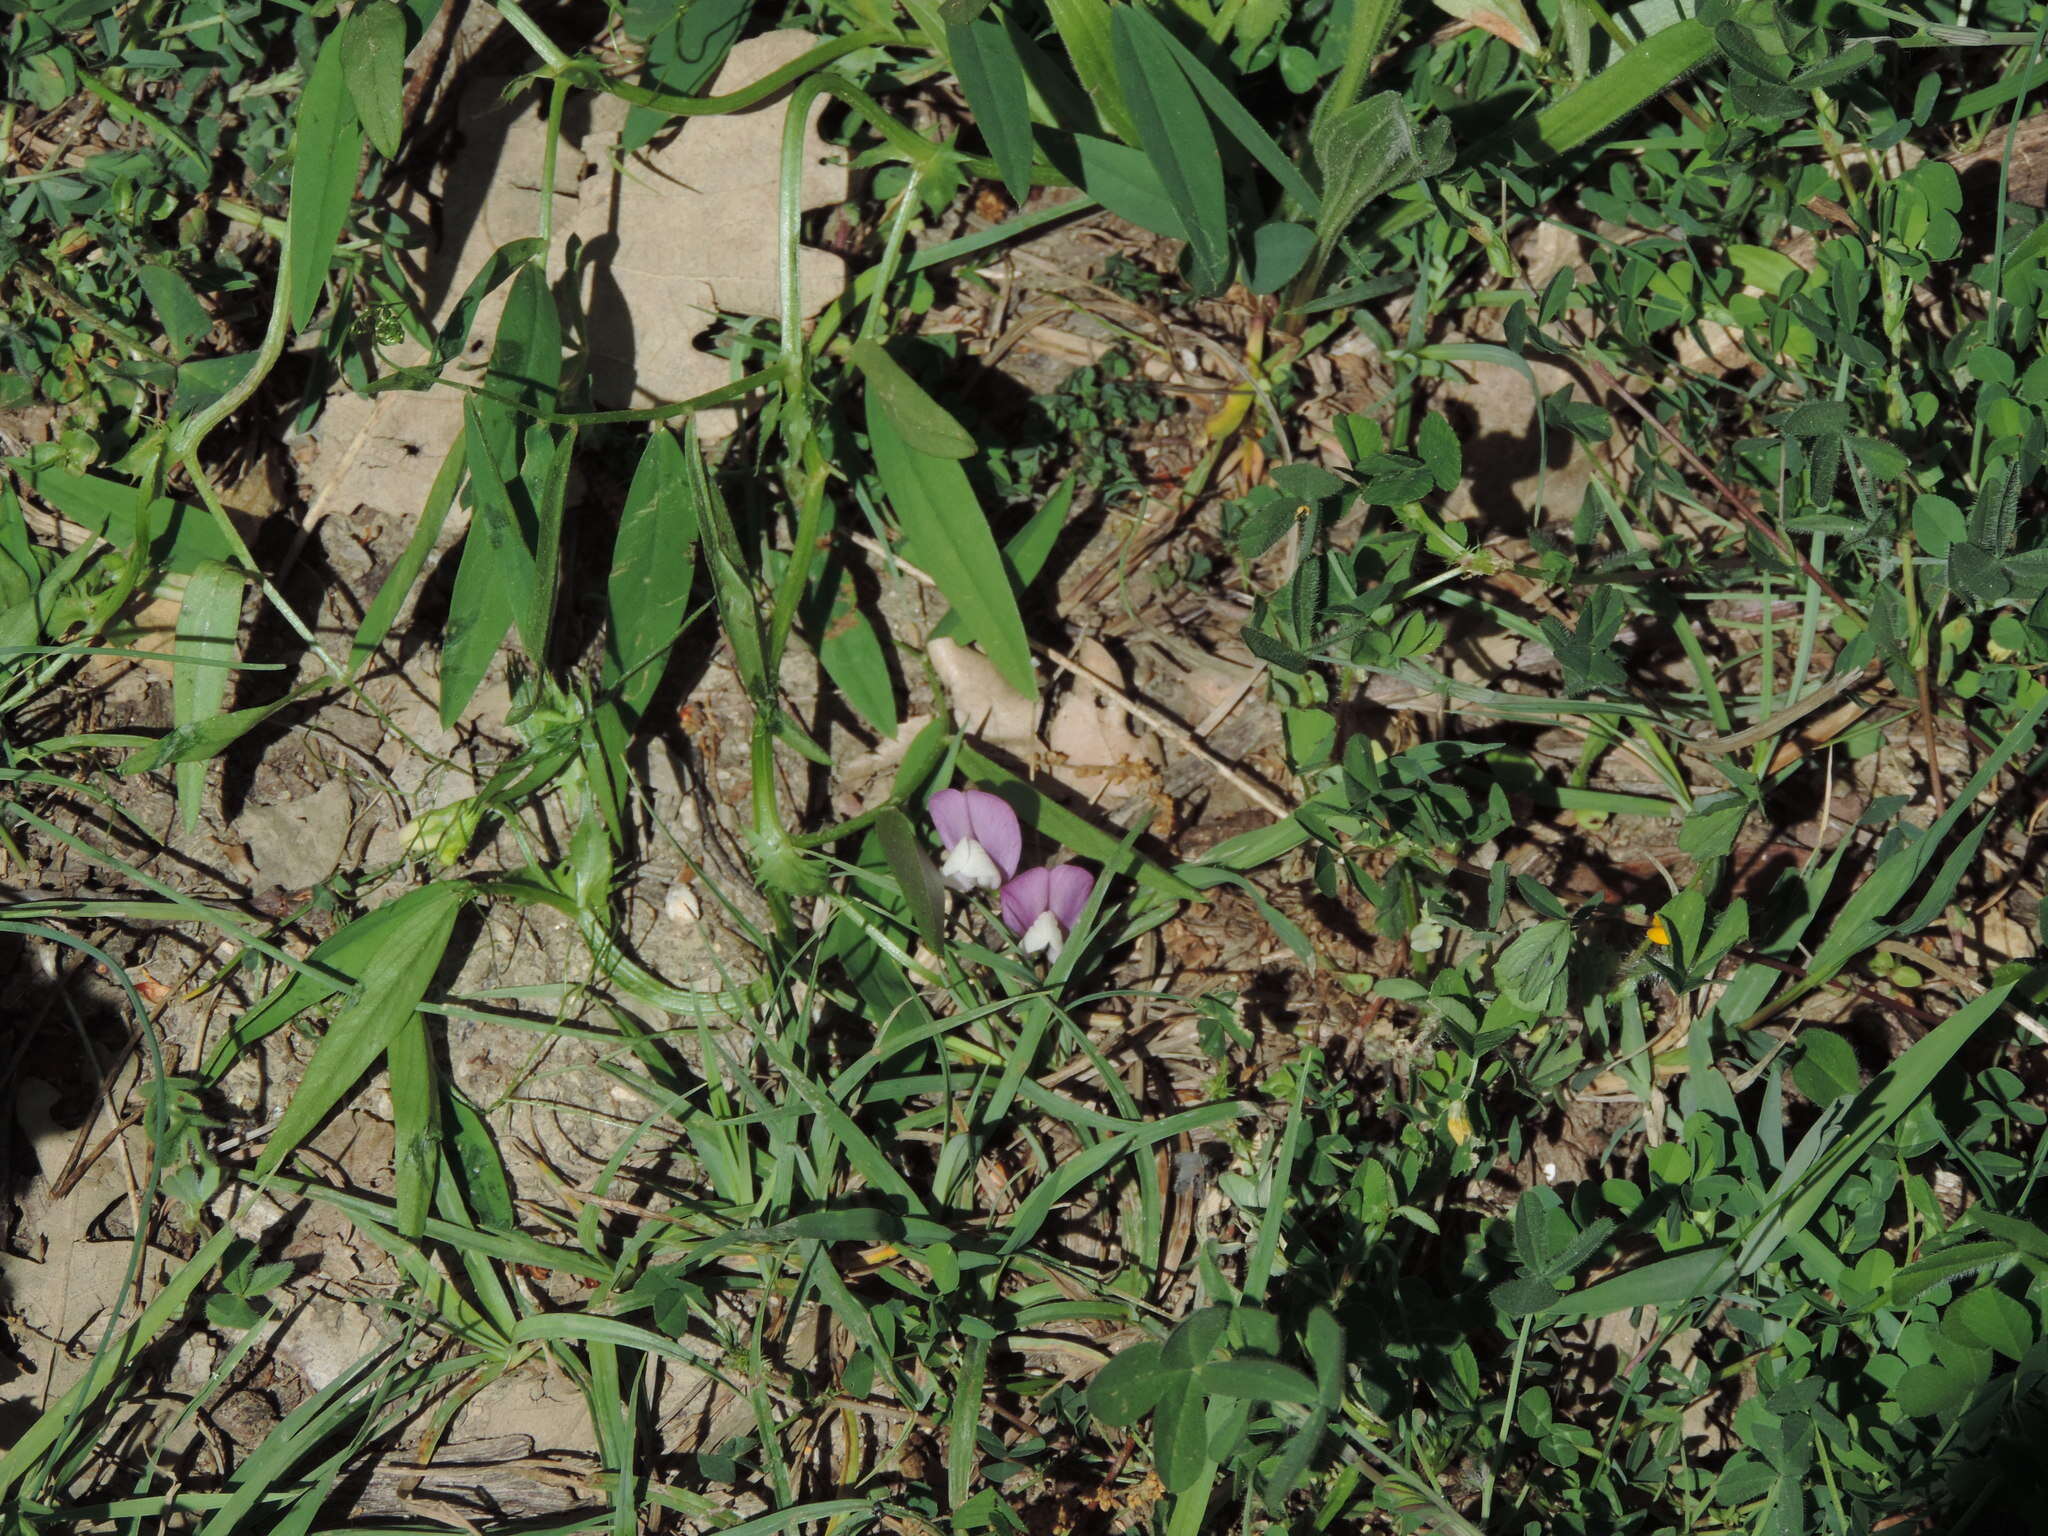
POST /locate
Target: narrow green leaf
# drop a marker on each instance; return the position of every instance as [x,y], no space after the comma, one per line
[991,74]
[654,559]
[526,356]
[1237,121]
[1949,1264]
[509,258]
[923,423]
[946,534]
[1180,1434]
[856,660]
[495,513]
[177,535]
[1124,181]
[1174,132]
[33,1442]
[739,607]
[382,611]
[1291,1466]
[1655,64]
[1682,1278]
[479,618]
[415,1125]
[684,54]
[964,1421]
[200,383]
[208,620]
[486,1189]
[373,62]
[1838,1144]
[1038,1206]
[1084,27]
[202,739]
[327,145]
[550,497]
[924,894]
[1862,920]
[856,1224]
[364,1026]
[336,963]
[1266,1381]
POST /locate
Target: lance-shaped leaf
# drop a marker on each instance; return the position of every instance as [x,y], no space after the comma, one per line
[991,72]
[394,984]
[946,534]
[327,144]
[202,665]
[1174,132]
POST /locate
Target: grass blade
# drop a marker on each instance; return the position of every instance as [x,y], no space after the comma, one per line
[415,1125]
[1078,1170]
[1862,919]
[74,1407]
[1836,1145]
[1655,64]
[208,621]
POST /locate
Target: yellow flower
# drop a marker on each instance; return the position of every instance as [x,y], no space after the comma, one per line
[1659,934]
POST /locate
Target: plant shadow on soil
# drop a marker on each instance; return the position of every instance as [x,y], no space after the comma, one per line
[58,1019]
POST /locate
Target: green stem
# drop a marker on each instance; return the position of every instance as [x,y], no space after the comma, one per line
[1370,22]
[121,109]
[558,95]
[892,252]
[552,58]
[749,95]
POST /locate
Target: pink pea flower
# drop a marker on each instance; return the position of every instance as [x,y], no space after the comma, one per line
[982,838]
[1042,905]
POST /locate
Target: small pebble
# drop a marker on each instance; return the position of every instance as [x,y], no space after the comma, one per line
[682,904]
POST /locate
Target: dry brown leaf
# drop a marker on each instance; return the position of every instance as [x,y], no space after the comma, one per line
[1096,747]
[983,702]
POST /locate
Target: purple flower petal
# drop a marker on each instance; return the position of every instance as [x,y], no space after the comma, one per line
[1068,889]
[949,814]
[995,827]
[1024,899]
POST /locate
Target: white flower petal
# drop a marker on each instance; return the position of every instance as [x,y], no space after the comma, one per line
[1043,937]
[969,868]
